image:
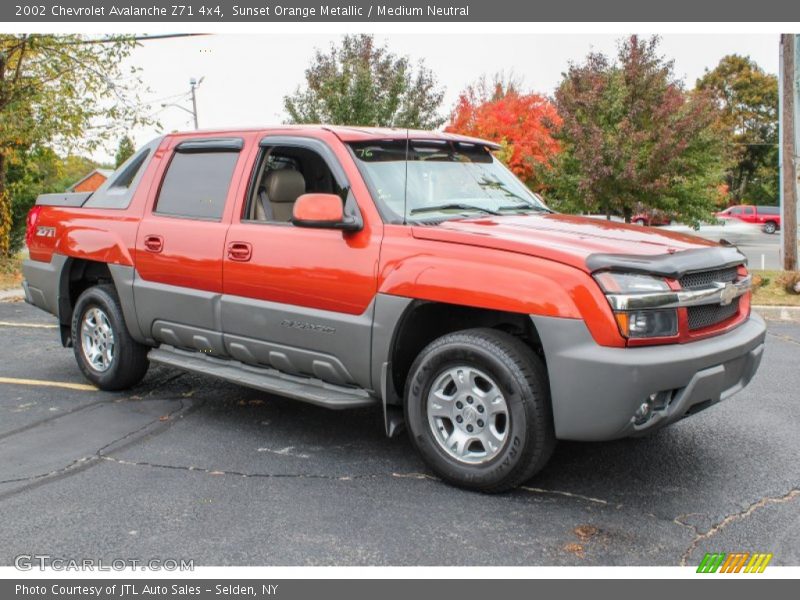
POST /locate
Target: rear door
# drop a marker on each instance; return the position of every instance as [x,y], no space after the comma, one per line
[180,245]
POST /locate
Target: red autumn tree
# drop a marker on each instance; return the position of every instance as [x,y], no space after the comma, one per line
[520,122]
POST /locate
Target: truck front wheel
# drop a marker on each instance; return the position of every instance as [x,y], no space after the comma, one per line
[478,410]
[106,353]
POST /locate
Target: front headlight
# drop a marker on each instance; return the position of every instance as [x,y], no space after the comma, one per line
[630,283]
[642,323]
[647,323]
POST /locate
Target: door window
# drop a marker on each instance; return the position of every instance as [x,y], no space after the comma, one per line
[196,185]
[283,174]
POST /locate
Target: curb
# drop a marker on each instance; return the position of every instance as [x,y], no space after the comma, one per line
[11,294]
[779,313]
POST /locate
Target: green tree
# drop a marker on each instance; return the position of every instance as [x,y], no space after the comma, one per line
[60,91]
[39,171]
[631,135]
[125,150]
[748,100]
[361,83]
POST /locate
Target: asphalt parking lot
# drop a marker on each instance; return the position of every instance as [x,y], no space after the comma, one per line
[763,251]
[188,467]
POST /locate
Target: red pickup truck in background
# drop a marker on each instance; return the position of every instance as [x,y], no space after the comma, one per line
[406,271]
[769,217]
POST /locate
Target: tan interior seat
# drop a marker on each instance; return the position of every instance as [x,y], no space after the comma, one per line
[280,190]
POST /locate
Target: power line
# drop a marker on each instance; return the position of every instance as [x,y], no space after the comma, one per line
[177,96]
[138,38]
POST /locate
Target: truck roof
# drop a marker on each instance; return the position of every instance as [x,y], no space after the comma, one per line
[365,134]
[352,133]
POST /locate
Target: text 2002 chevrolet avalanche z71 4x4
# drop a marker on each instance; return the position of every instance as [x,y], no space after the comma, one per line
[351,267]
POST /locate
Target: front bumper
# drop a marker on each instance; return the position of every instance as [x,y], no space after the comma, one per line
[596,390]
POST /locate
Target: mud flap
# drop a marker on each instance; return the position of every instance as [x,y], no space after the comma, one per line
[393,418]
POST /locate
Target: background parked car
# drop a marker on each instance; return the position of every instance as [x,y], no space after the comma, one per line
[769,217]
[652,218]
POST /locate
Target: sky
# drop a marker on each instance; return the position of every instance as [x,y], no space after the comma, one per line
[246,76]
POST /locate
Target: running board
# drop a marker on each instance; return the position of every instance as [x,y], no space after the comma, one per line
[314,391]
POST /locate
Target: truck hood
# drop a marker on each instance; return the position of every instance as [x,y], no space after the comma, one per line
[567,239]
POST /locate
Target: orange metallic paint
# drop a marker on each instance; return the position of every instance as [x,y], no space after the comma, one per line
[193,249]
[326,208]
[487,263]
[326,269]
[495,279]
[114,228]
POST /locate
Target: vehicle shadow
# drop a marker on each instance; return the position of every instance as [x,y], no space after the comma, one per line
[247,431]
[671,457]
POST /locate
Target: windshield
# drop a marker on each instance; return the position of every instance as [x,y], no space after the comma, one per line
[444,180]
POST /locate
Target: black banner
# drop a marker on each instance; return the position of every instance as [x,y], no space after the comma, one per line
[443,11]
[334,589]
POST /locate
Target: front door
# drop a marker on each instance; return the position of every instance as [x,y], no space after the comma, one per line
[296,299]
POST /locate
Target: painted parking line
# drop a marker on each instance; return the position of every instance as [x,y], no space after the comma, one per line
[33,325]
[84,387]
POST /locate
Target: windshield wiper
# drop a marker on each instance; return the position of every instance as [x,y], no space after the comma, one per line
[525,207]
[453,206]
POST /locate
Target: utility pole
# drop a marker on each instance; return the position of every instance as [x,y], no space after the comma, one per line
[788,151]
[194,83]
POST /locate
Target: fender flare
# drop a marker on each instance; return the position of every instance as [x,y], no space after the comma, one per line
[122,277]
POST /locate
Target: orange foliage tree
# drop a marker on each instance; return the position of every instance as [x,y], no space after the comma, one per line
[521,123]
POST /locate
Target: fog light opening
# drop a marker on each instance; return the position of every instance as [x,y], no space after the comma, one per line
[654,403]
[643,413]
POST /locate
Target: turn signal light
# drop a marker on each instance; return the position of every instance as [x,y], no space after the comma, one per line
[647,323]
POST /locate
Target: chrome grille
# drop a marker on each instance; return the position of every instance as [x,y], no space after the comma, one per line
[707,315]
[705,278]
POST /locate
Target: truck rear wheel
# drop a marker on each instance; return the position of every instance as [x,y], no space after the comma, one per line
[770,227]
[478,410]
[106,353]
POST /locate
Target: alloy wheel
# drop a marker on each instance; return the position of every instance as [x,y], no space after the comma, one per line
[468,414]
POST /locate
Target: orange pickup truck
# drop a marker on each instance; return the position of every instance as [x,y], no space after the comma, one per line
[410,271]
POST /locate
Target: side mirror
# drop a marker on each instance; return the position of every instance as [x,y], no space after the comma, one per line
[322,211]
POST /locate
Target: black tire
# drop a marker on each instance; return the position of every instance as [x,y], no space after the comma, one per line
[128,363]
[770,227]
[519,375]
[640,222]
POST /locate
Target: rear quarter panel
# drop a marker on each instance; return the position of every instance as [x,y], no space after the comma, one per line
[103,235]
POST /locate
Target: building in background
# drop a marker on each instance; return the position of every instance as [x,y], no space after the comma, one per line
[91,181]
